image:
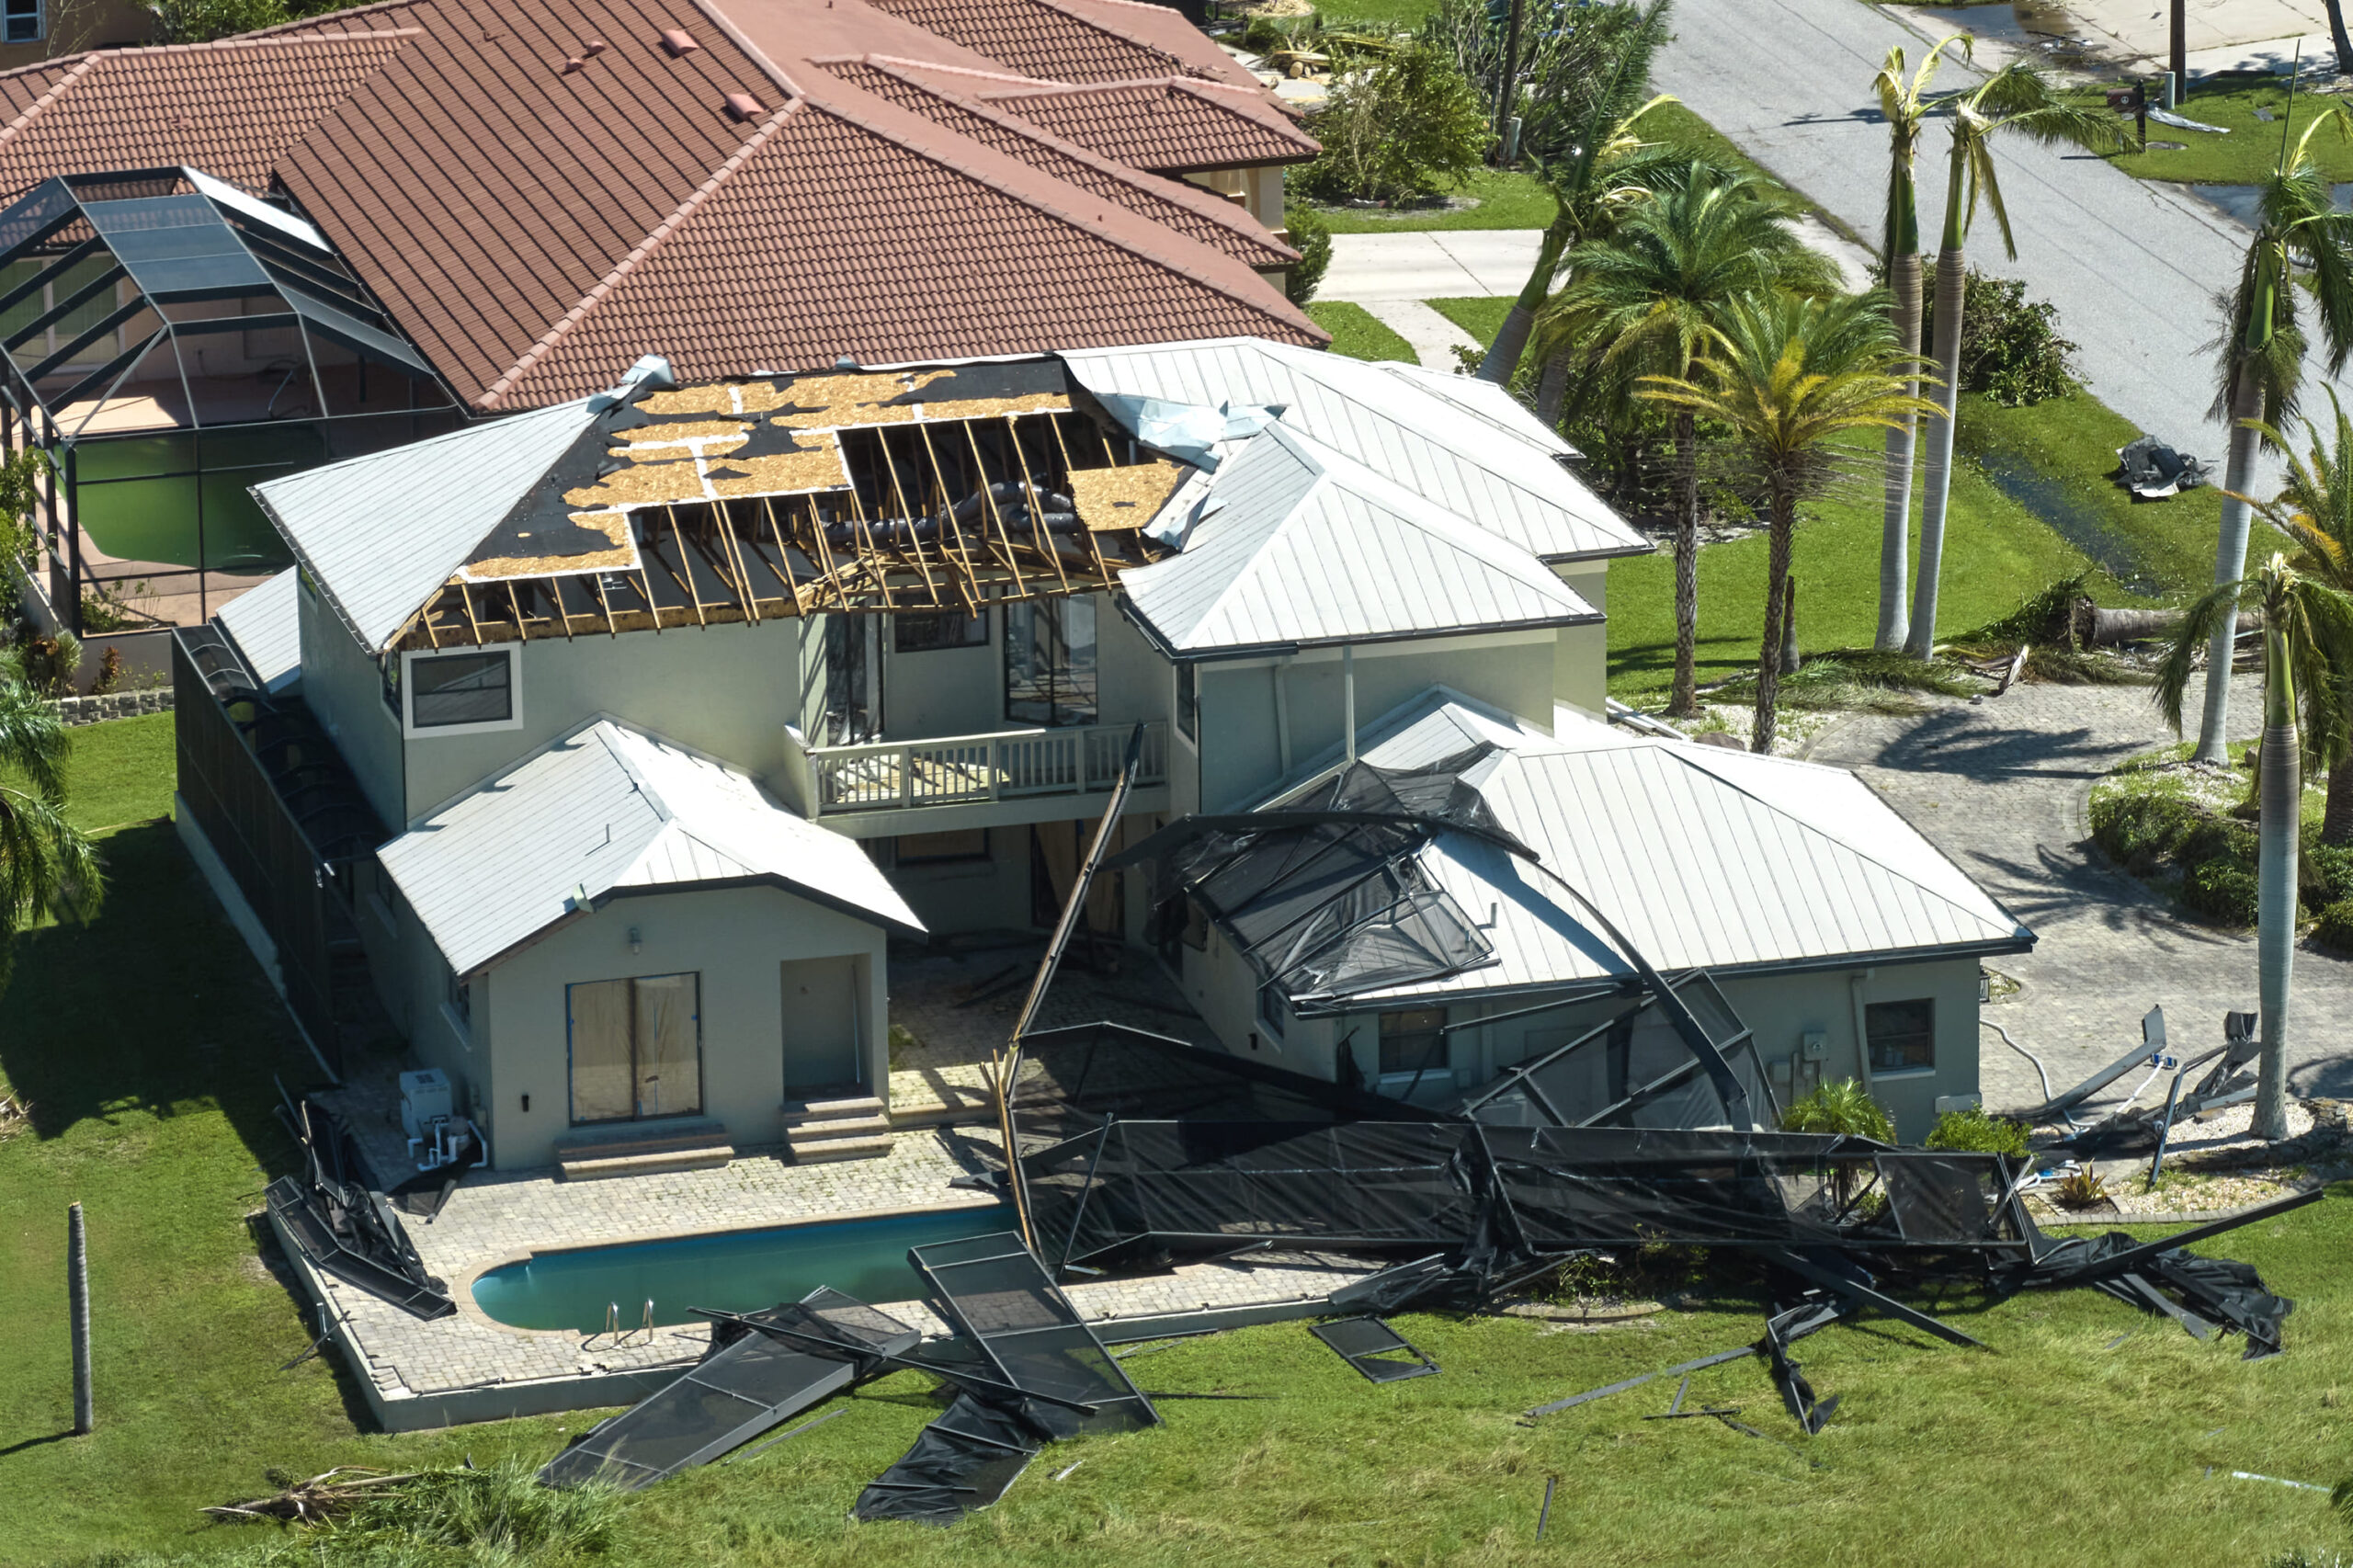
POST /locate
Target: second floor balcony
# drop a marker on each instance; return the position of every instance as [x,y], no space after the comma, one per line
[991,780]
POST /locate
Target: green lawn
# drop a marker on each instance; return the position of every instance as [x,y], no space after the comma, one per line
[1358,334]
[2251,151]
[1482,318]
[145,1042]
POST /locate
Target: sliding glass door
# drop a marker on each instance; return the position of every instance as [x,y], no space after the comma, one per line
[1050,662]
[636,1047]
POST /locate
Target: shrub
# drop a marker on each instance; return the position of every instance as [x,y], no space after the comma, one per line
[1842,1107]
[2334,929]
[1400,131]
[1972,1131]
[109,673]
[1312,241]
[2221,889]
[2010,346]
[200,21]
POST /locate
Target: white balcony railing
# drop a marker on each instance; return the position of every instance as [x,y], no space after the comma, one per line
[958,770]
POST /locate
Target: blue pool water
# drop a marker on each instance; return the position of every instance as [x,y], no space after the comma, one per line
[736,1271]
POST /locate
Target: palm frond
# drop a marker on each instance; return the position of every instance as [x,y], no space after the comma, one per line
[2189,640]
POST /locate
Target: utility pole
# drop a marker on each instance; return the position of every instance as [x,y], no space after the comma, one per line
[77,1297]
[2181,48]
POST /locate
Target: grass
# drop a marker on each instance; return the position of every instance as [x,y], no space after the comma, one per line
[1482,318]
[146,1043]
[2250,152]
[1508,198]
[1358,334]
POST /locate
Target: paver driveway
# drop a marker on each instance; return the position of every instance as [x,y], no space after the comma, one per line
[2001,787]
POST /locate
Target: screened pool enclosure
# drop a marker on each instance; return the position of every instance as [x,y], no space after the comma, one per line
[170,340]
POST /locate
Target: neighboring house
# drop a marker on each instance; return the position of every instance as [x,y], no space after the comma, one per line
[494,205]
[675,703]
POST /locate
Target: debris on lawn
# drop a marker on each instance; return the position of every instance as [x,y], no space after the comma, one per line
[2152,470]
[342,1228]
[311,1501]
[16,1114]
[1374,1348]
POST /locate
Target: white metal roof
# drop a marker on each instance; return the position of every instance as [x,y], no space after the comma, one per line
[1458,449]
[381,533]
[266,624]
[1703,857]
[1298,545]
[610,808]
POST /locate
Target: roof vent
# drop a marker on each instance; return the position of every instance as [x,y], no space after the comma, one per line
[744,106]
[575,64]
[596,46]
[677,42]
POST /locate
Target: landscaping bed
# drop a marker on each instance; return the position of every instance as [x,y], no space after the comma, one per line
[2173,824]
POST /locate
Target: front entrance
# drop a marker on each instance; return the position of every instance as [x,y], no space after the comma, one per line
[636,1047]
[821,1034]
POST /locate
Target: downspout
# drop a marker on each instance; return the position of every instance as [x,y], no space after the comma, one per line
[1348,690]
[1282,719]
[1855,983]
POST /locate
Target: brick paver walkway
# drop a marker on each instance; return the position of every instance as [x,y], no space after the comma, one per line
[2001,787]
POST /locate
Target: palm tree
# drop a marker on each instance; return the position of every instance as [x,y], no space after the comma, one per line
[1655,295]
[1605,139]
[2299,247]
[2315,510]
[2019,99]
[2307,643]
[1904,104]
[1790,376]
[46,868]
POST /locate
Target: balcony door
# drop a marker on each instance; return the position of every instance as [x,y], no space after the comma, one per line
[841,680]
[636,1048]
[1050,662]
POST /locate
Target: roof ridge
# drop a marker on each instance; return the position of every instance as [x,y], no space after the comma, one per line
[57,89]
[1093,26]
[741,40]
[1321,473]
[1194,198]
[922,147]
[1681,751]
[1046,82]
[628,264]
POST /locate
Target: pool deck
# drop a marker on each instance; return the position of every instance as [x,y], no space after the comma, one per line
[467,1367]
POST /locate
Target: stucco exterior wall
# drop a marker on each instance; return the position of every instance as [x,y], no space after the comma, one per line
[737,939]
[1242,752]
[1581,653]
[345,690]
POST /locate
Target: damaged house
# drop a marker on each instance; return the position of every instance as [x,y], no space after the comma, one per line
[620,761]
[224,262]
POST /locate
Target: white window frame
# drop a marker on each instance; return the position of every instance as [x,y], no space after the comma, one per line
[513,720]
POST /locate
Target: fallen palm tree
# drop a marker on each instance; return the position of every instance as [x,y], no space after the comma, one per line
[326,1496]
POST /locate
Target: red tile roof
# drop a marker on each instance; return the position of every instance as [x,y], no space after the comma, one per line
[239,104]
[1170,127]
[1041,38]
[883,243]
[534,225]
[1185,208]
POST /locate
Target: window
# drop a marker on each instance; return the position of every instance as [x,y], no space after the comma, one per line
[1274,1012]
[391,664]
[62,288]
[1050,662]
[940,848]
[636,1047]
[1412,1042]
[24,21]
[462,998]
[923,633]
[1188,702]
[1902,1035]
[459,692]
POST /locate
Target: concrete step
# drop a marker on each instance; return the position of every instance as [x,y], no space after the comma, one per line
[798,1113]
[822,1150]
[847,1127]
[600,1165]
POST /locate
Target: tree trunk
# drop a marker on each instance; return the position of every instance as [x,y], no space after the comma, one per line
[2230,566]
[2336,817]
[1684,700]
[1552,390]
[2106,627]
[1896,532]
[2337,36]
[1769,652]
[1922,639]
[2276,884]
[1790,659]
[1511,342]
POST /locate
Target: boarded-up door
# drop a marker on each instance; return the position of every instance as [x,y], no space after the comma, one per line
[1055,851]
[821,1012]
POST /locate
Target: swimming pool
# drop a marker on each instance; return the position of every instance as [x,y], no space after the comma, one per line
[734,1270]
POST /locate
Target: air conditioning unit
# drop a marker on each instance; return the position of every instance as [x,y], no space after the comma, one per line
[424,1099]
